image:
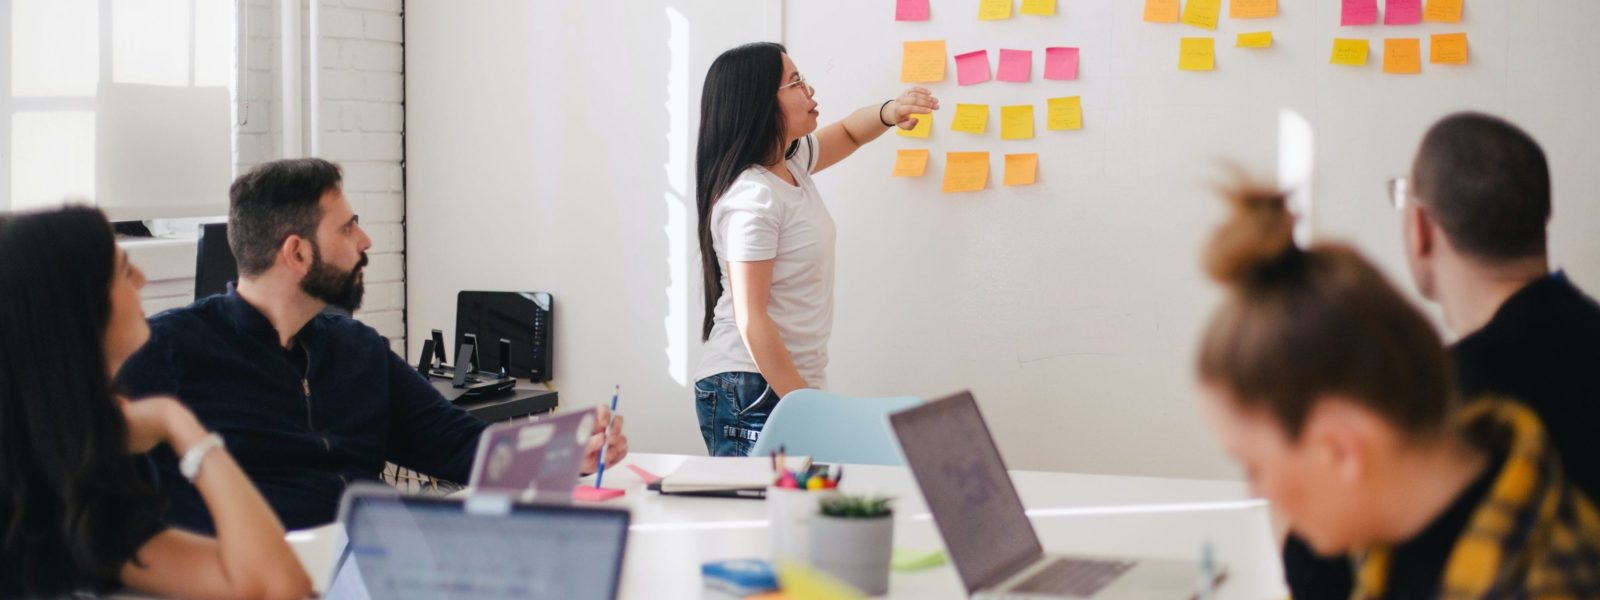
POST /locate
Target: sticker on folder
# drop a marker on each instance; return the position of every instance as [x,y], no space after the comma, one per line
[923,62]
[1359,12]
[994,10]
[1064,113]
[1039,8]
[923,127]
[972,67]
[1061,64]
[1402,12]
[1402,56]
[1349,52]
[1015,65]
[1197,54]
[1252,9]
[1016,122]
[1202,13]
[1161,11]
[911,10]
[1021,169]
[1443,11]
[971,118]
[1448,49]
[910,163]
[965,171]
[1259,39]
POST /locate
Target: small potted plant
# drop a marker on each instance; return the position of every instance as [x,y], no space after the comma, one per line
[852,538]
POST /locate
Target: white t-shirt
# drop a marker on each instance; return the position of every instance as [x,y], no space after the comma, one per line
[762,217]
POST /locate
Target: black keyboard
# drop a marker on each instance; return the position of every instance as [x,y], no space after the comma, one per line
[1073,577]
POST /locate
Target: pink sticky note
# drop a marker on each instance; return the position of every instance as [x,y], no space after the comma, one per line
[911,10]
[972,67]
[1016,65]
[1061,63]
[1402,12]
[1359,12]
[589,493]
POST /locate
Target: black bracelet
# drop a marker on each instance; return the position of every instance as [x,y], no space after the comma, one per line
[880,113]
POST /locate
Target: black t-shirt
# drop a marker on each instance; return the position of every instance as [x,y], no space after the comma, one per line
[1542,348]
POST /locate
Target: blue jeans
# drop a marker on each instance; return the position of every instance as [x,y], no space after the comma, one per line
[733,407]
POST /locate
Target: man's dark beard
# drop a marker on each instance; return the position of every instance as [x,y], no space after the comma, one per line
[327,283]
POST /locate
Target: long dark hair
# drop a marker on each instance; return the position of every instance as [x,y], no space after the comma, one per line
[71,498]
[741,126]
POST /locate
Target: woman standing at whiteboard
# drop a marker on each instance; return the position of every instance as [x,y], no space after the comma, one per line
[766,239]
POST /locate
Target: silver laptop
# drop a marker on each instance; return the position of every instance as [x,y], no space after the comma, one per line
[477,547]
[533,460]
[986,532]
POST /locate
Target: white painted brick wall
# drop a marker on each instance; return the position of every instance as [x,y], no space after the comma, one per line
[362,116]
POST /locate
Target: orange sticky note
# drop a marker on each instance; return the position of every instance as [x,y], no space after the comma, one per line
[965,171]
[1402,55]
[1197,54]
[910,163]
[971,118]
[1161,11]
[1252,9]
[1448,49]
[923,62]
[1016,122]
[1202,13]
[1443,11]
[1349,52]
[994,10]
[1042,8]
[1022,169]
[1064,113]
[923,128]
[1259,39]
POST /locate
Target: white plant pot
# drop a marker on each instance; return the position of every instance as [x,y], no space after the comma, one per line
[856,551]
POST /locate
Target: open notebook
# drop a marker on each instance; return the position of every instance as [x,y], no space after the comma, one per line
[741,476]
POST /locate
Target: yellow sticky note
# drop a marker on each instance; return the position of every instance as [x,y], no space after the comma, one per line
[1197,54]
[910,163]
[1064,113]
[994,10]
[965,171]
[1202,13]
[802,582]
[1259,39]
[1016,122]
[1349,52]
[923,62]
[1022,169]
[1448,49]
[1443,11]
[1402,55]
[971,118]
[922,130]
[1043,8]
[1161,11]
[1252,9]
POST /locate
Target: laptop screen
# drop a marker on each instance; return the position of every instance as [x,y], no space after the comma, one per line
[965,483]
[415,547]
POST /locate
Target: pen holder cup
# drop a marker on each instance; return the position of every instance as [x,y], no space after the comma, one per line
[791,513]
[857,551]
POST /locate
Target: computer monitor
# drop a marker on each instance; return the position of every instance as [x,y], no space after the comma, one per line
[522,318]
[214,267]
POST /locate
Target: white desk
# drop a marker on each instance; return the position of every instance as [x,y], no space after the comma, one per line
[1100,514]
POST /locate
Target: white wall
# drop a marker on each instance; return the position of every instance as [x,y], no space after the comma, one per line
[535,135]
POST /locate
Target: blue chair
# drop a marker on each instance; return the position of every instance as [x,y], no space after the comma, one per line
[834,429]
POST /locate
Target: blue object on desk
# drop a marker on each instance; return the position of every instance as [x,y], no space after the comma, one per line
[832,428]
[740,577]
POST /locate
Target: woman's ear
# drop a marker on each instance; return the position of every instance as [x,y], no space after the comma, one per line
[1344,438]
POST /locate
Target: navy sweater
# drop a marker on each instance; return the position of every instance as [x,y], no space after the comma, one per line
[301,439]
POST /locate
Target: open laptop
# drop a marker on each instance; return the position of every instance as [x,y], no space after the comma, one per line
[533,460]
[988,536]
[479,548]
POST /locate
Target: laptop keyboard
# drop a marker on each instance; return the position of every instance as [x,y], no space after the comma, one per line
[1073,577]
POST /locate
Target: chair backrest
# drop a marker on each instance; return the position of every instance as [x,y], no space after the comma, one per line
[214,267]
[833,428]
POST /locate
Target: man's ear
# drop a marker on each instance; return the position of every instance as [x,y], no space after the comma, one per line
[296,254]
[1422,240]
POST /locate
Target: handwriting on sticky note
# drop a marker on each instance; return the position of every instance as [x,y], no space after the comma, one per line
[1402,56]
[1252,9]
[1064,113]
[1022,169]
[965,171]
[910,163]
[1015,65]
[994,10]
[1197,54]
[1443,11]
[1359,12]
[1041,8]
[1258,39]
[972,67]
[970,118]
[922,62]
[1202,13]
[1402,12]
[923,127]
[1061,64]
[911,10]
[1016,122]
[1349,52]
[1447,49]
[1161,11]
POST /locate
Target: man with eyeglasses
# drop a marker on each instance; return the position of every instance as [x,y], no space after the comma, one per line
[1474,210]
